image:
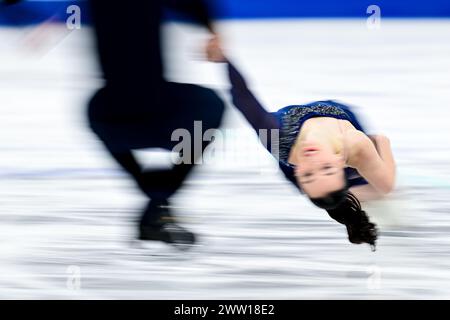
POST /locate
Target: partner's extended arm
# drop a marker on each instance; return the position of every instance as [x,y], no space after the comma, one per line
[247,103]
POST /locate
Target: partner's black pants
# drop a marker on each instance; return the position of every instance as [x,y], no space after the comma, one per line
[136,121]
[137,108]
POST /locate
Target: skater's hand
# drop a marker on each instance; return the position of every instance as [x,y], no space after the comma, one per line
[214,51]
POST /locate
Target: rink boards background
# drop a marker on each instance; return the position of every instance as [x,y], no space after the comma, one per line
[67,210]
[36,11]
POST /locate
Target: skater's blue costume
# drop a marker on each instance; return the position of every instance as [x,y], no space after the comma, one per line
[289,121]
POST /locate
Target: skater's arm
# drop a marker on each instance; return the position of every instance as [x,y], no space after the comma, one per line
[247,103]
[375,163]
[366,193]
[383,147]
[243,98]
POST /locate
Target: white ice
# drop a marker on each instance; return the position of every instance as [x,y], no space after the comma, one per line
[66,208]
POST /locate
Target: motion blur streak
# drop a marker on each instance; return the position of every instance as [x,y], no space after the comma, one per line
[67,211]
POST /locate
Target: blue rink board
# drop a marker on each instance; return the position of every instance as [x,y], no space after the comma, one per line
[35,11]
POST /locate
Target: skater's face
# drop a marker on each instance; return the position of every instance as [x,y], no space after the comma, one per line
[320,171]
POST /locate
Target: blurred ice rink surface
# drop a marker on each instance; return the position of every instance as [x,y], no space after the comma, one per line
[67,211]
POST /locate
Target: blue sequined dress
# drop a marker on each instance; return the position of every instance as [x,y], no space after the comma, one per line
[289,120]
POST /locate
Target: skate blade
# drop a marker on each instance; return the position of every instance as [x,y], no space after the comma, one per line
[158,246]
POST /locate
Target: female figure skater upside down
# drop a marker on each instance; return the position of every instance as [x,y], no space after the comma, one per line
[324,151]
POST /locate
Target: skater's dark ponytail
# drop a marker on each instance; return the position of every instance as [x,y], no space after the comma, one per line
[331,200]
[347,211]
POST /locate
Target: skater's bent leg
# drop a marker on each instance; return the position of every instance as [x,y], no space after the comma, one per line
[128,162]
[163,183]
[157,184]
[187,104]
[191,103]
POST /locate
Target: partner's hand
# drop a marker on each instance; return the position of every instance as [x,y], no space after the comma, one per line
[214,51]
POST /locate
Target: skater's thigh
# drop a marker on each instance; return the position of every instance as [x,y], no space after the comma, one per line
[186,107]
[189,103]
[179,107]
